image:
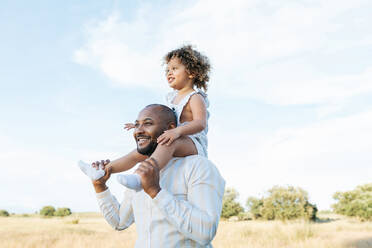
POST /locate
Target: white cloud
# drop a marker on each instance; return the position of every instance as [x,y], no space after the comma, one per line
[322,158]
[244,40]
[112,48]
[287,90]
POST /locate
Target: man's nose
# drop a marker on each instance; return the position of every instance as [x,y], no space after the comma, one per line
[138,129]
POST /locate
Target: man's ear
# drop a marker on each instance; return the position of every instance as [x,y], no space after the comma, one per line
[171,125]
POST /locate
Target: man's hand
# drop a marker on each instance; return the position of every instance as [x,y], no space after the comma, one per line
[100,184]
[103,164]
[168,137]
[149,172]
[128,126]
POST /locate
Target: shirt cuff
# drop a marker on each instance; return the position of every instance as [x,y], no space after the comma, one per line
[162,199]
[104,194]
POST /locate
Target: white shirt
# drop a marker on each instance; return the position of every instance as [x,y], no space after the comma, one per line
[185,213]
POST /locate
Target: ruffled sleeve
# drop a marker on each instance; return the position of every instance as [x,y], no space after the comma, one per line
[169,98]
[204,95]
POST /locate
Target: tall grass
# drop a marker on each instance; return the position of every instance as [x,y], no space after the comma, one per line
[93,232]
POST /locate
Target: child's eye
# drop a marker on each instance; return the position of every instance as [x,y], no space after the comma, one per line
[136,125]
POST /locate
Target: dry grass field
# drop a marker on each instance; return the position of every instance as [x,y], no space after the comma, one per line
[93,232]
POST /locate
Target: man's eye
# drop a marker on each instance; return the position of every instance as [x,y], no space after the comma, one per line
[148,123]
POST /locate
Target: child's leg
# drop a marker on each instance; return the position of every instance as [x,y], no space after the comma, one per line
[181,147]
[121,164]
[126,162]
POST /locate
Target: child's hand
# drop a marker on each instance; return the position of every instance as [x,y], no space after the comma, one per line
[101,164]
[168,137]
[128,126]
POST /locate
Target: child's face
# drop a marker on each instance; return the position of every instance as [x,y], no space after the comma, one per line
[177,75]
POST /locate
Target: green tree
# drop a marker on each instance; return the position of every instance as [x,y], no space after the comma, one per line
[355,203]
[230,207]
[4,213]
[255,207]
[283,203]
[47,211]
[62,212]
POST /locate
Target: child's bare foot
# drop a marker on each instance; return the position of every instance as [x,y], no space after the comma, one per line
[132,181]
[90,171]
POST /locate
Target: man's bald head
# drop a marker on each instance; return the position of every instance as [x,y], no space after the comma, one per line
[165,113]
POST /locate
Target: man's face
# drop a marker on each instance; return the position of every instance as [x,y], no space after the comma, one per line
[148,127]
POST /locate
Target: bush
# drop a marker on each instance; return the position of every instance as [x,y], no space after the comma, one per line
[62,212]
[255,207]
[229,205]
[245,216]
[4,213]
[325,211]
[355,203]
[75,221]
[282,203]
[47,211]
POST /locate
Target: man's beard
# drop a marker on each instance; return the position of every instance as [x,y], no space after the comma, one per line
[149,149]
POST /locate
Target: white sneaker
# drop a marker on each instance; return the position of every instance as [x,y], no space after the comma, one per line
[91,172]
[131,181]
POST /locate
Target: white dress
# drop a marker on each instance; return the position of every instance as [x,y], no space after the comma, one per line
[200,139]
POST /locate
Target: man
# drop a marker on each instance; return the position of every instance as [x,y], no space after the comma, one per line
[179,206]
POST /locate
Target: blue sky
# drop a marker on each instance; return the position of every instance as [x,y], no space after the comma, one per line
[290,92]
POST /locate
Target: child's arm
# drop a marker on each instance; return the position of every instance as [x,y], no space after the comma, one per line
[128,126]
[198,123]
[199,116]
[126,162]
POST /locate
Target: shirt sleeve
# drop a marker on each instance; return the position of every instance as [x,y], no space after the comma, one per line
[119,216]
[197,217]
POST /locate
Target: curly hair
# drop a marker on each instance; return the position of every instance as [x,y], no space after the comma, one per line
[196,64]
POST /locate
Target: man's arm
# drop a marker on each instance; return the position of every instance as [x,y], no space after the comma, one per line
[197,217]
[119,216]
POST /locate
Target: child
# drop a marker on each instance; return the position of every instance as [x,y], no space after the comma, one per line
[186,68]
